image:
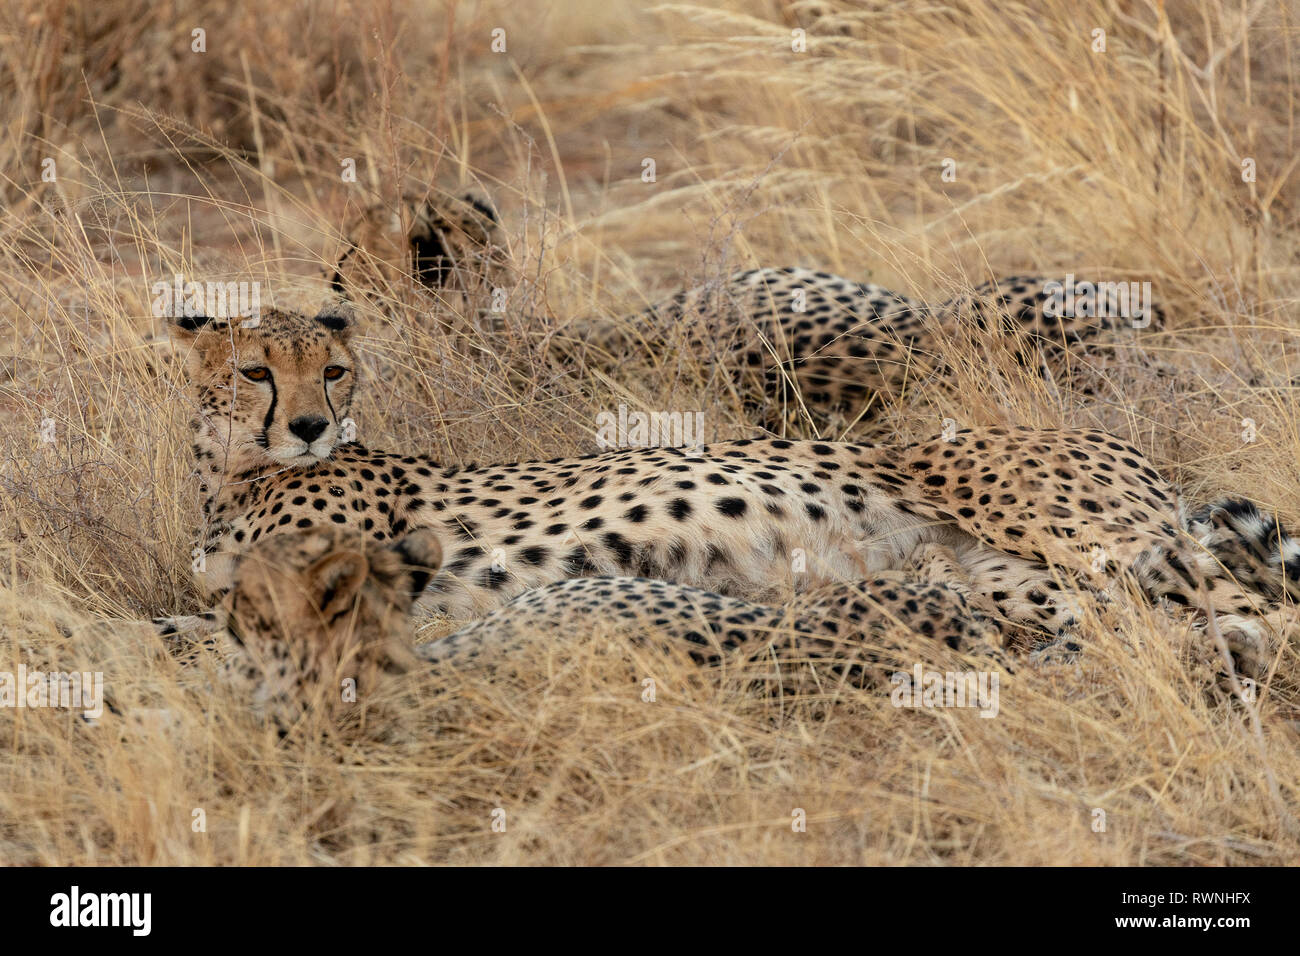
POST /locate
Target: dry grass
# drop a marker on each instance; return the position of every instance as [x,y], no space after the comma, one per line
[226,164]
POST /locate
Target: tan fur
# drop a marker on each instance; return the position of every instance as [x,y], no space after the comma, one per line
[757,518]
[440,240]
[316,613]
[798,341]
[311,610]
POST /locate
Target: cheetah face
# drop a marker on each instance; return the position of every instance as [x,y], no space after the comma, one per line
[310,610]
[273,394]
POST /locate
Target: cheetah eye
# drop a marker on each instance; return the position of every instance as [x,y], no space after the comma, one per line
[334,372]
[258,373]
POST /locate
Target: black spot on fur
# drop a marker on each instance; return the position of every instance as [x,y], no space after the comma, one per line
[732,507]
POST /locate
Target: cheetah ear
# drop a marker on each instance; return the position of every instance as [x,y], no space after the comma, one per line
[196,337]
[410,563]
[335,580]
[188,328]
[338,317]
[482,205]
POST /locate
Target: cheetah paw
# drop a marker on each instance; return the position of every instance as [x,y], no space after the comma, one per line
[1249,644]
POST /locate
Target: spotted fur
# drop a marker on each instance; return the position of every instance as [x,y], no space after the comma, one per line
[797,342]
[1023,508]
[311,612]
[842,624]
[805,342]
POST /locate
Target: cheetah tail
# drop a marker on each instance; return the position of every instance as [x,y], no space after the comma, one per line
[1251,545]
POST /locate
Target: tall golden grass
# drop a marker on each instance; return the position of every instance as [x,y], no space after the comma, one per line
[226,164]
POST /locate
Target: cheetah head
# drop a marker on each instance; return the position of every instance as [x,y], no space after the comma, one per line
[310,610]
[271,392]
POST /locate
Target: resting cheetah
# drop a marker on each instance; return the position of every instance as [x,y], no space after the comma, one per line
[747,517]
[310,609]
[795,341]
[440,240]
[931,598]
[805,342]
[307,610]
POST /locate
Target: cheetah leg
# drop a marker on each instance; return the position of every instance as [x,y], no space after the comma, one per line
[1253,642]
[934,563]
[1022,593]
[938,564]
[1037,610]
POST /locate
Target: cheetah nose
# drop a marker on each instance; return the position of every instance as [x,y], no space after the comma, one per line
[308,427]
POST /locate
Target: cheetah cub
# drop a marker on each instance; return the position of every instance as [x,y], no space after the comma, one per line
[794,340]
[309,611]
[312,610]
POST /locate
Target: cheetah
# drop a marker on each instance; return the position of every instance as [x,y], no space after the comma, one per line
[442,241]
[793,340]
[311,609]
[306,611]
[815,344]
[840,624]
[755,518]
